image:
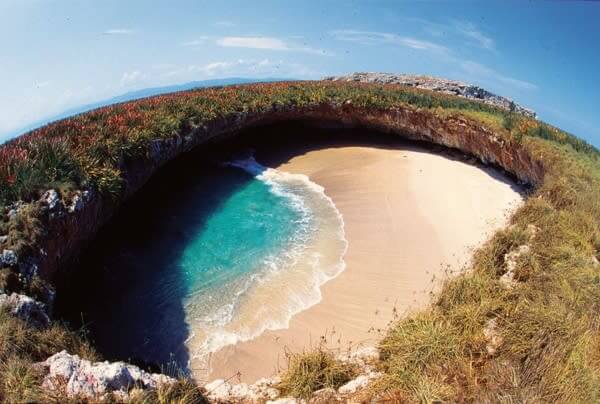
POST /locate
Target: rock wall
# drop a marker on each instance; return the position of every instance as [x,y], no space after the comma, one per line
[71,224]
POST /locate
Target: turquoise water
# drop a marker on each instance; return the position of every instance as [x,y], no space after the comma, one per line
[199,262]
[252,231]
[252,225]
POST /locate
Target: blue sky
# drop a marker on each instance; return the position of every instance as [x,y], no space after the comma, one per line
[58,54]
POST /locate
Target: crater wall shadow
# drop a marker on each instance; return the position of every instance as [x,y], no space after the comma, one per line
[126,288]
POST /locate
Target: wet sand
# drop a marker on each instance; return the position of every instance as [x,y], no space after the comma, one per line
[410,216]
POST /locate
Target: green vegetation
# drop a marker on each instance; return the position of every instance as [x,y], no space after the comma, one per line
[313,370]
[547,318]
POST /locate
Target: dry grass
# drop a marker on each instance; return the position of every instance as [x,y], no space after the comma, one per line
[313,370]
[21,345]
[185,391]
[548,319]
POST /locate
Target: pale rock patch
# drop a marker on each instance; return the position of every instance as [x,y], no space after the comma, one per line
[25,308]
[359,383]
[492,336]
[78,377]
[510,261]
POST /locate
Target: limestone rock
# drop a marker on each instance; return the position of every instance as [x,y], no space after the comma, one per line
[79,377]
[358,383]
[323,396]
[26,308]
[510,262]
[76,203]
[51,199]
[446,86]
[8,258]
[218,390]
[492,336]
[261,390]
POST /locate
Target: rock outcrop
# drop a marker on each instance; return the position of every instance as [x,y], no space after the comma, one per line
[79,378]
[25,308]
[446,86]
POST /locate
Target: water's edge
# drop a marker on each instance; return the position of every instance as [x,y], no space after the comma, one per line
[305,292]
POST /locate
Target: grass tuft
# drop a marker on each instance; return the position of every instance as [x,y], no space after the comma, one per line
[313,370]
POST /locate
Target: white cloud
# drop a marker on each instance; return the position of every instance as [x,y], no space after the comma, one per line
[266,43]
[201,40]
[470,31]
[244,67]
[252,42]
[130,78]
[118,31]
[372,37]
[480,70]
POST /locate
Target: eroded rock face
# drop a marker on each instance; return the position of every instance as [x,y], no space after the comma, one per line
[78,377]
[73,223]
[446,86]
[26,309]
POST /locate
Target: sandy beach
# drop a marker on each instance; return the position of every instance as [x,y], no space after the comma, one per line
[410,215]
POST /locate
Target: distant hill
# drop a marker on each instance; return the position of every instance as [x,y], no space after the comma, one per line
[133,95]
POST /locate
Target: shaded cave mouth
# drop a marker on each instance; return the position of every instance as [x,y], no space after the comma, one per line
[124,291]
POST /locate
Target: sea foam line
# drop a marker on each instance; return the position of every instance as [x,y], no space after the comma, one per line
[277,181]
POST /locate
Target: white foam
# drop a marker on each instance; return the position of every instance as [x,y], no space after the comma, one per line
[292,187]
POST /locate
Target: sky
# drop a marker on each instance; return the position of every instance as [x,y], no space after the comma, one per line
[60,54]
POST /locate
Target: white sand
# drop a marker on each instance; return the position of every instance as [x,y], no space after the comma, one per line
[409,215]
